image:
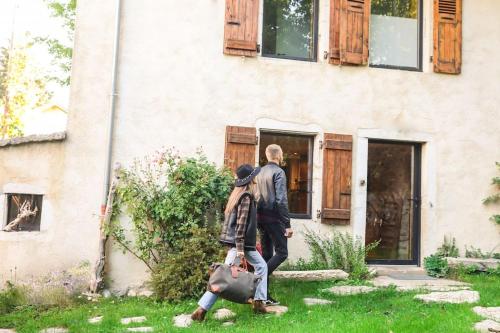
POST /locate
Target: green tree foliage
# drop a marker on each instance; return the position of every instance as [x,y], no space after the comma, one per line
[399,8]
[23,87]
[61,50]
[494,198]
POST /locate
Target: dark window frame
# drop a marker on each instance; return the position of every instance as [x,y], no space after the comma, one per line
[315,38]
[38,216]
[420,41]
[311,137]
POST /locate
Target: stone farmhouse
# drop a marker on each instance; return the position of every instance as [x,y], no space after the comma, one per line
[387,112]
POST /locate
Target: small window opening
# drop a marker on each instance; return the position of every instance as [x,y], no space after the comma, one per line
[23,212]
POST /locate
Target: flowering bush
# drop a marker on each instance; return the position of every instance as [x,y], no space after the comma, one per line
[169,199]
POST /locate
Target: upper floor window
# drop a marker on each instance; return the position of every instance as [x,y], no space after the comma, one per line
[395,30]
[289,29]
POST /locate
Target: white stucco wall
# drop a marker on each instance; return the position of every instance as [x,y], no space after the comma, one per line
[176,88]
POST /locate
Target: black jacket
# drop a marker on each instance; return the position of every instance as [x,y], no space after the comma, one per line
[228,233]
[273,201]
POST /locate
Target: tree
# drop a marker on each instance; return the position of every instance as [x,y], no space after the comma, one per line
[61,50]
[23,87]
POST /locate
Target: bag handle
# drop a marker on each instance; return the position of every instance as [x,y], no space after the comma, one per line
[238,265]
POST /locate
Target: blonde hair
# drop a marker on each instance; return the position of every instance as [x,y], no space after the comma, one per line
[232,202]
[274,152]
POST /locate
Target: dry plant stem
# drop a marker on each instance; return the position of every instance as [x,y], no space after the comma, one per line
[24,212]
[97,282]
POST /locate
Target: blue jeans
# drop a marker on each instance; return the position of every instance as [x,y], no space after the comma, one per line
[255,259]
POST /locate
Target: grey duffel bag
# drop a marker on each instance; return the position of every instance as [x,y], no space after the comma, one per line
[232,282]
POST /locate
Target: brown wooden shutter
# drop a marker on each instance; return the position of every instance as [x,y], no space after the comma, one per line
[447,36]
[337,172]
[349,31]
[240,27]
[241,143]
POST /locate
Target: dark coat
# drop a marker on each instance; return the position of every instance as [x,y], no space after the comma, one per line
[228,234]
[273,201]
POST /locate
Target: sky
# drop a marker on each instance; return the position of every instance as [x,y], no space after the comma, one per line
[19,17]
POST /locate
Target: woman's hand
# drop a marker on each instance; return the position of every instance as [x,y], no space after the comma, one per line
[240,254]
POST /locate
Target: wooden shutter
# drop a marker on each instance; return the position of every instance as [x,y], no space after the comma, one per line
[337,172]
[240,27]
[349,31]
[241,143]
[447,36]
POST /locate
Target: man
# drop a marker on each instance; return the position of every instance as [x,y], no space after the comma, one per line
[272,212]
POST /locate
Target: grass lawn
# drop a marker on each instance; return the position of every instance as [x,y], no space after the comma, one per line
[381,311]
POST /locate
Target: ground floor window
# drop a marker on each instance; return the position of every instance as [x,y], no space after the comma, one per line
[297,164]
[23,212]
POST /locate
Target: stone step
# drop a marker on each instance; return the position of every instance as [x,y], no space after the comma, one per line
[319,275]
[454,297]
[126,321]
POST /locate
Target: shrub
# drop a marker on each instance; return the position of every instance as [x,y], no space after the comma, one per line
[175,205]
[448,249]
[340,251]
[10,298]
[436,266]
[494,198]
[477,253]
[183,274]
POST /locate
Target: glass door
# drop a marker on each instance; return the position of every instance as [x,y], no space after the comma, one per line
[393,202]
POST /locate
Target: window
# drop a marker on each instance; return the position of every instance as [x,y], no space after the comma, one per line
[395,30]
[23,212]
[297,164]
[289,29]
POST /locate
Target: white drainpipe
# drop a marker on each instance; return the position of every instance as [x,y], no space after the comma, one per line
[114,94]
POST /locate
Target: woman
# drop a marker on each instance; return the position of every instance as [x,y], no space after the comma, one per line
[239,233]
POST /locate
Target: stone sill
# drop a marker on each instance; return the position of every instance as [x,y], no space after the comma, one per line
[38,138]
[319,275]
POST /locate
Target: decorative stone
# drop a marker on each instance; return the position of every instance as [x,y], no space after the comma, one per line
[350,290]
[228,323]
[277,309]
[316,301]
[183,320]
[223,314]
[7,330]
[479,264]
[140,329]
[492,313]
[126,321]
[145,293]
[95,320]
[455,297]
[487,326]
[106,293]
[55,330]
[415,281]
[132,293]
[320,275]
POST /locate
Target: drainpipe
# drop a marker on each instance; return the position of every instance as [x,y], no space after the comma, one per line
[112,109]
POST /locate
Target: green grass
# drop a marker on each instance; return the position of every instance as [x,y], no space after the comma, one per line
[381,311]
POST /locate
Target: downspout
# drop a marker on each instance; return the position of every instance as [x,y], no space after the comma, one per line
[112,109]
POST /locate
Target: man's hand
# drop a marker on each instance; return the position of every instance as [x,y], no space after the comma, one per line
[288,232]
[240,255]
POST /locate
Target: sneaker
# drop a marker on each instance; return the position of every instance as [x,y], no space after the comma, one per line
[271,301]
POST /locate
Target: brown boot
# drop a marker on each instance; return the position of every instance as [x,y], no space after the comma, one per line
[259,307]
[199,314]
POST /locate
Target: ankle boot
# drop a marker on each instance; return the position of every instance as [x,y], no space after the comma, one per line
[199,314]
[259,307]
